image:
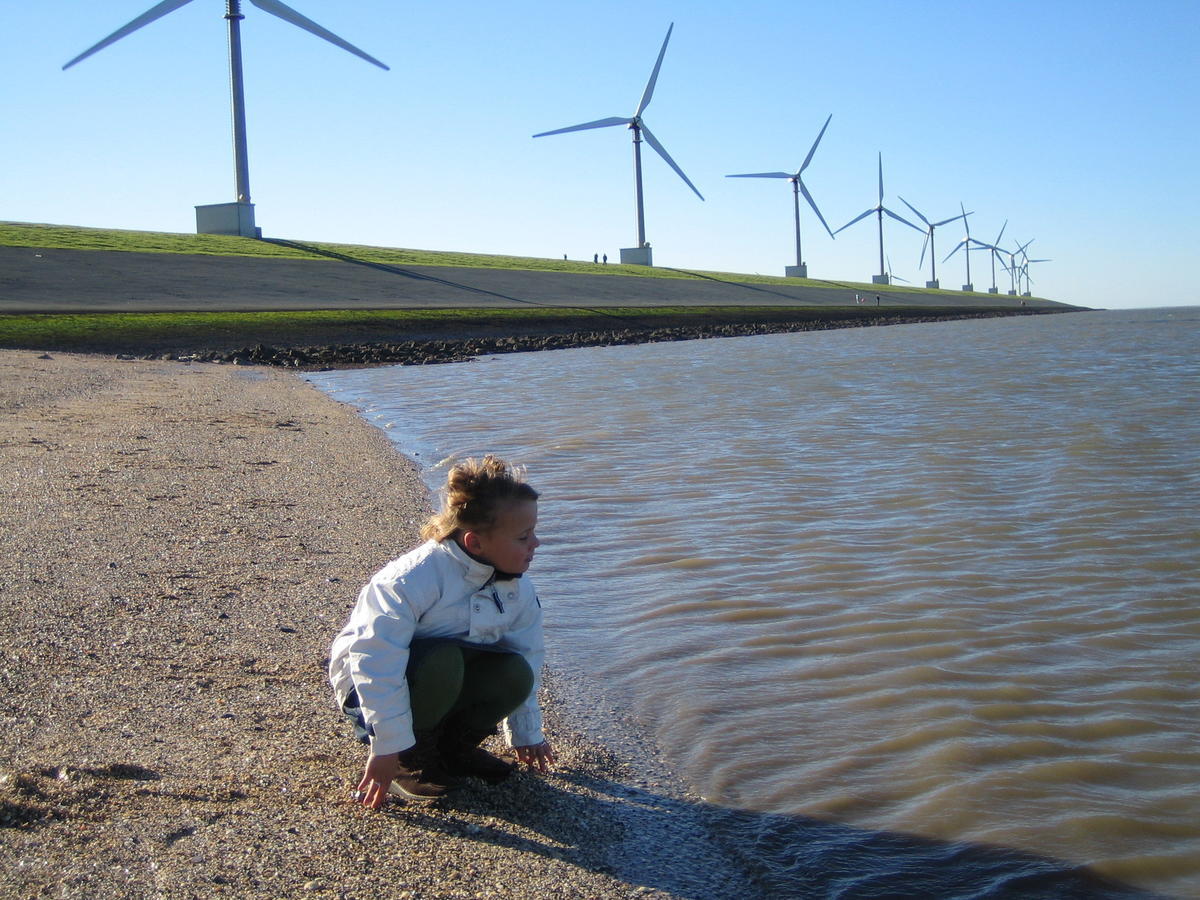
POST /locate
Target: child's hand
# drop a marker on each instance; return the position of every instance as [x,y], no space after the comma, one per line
[537,756]
[373,789]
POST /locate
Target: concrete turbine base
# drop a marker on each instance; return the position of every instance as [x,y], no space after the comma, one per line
[969,287]
[636,256]
[800,271]
[880,279]
[227,218]
[993,290]
[933,284]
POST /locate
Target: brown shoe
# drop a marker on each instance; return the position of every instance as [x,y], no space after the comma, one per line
[420,775]
[460,754]
[411,788]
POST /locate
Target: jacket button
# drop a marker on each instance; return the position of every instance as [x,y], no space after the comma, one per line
[476,607]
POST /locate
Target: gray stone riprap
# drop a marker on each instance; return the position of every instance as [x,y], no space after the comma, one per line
[432,351]
[179,543]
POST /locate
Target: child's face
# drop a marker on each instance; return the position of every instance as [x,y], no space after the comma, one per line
[509,544]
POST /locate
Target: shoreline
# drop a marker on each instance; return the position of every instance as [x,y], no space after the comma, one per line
[181,543]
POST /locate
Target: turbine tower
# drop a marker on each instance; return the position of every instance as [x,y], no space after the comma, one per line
[928,244]
[236,217]
[879,209]
[965,245]
[800,269]
[641,254]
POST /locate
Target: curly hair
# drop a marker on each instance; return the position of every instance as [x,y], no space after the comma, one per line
[475,492]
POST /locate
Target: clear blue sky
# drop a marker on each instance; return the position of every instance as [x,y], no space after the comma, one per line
[1077,122]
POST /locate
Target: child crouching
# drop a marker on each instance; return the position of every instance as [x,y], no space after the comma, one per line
[445,643]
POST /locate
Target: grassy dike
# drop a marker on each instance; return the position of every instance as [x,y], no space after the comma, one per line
[323,337]
[68,237]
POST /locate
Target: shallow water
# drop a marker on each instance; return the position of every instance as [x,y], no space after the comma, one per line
[933,580]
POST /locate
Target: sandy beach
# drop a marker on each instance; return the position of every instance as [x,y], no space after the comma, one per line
[180,542]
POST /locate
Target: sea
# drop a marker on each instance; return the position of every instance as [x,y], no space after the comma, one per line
[919,605]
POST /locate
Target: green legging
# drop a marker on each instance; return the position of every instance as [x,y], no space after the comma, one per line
[475,687]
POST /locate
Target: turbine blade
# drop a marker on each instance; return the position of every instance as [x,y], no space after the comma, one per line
[957,247]
[281,11]
[813,204]
[599,123]
[924,247]
[649,92]
[155,12]
[857,218]
[1001,234]
[914,209]
[813,150]
[653,142]
[881,179]
[892,277]
[902,219]
[946,221]
[966,221]
[763,175]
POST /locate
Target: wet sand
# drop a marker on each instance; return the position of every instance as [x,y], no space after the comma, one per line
[180,543]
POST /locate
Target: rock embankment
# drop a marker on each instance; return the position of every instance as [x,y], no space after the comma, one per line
[444,350]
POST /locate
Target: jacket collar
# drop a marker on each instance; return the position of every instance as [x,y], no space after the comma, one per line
[476,573]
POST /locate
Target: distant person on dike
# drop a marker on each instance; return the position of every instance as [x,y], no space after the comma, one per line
[445,643]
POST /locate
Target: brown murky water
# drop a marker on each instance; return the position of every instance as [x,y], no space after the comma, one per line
[932,583]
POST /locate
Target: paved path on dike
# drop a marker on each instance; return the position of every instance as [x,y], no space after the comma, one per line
[60,281]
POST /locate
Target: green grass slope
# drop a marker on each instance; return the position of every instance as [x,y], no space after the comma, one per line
[68,237]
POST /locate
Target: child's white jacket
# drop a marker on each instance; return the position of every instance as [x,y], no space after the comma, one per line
[434,591]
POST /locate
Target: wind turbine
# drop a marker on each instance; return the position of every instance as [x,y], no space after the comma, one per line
[994,251]
[966,242]
[879,209]
[892,277]
[928,244]
[1024,270]
[1012,268]
[800,270]
[236,217]
[639,255]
